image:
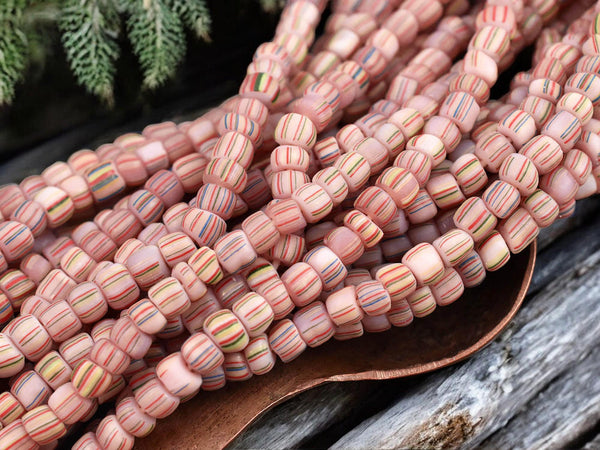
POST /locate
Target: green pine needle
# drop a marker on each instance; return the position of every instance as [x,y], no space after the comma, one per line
[13,59]
[195,15]
[89,29]
[156,34]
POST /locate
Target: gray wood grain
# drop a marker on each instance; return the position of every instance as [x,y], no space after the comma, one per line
[466,405]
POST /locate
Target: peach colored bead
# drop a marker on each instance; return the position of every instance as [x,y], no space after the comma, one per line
[314,202]
[10,408]
[254,312]
[314,324]
[302,283]
[461,108]
[377,204]
[349,136]
[373,298]
[175,248]
[16,240]
[153,155]
[331,180]
[469,173]
[176,377]
[422,302]
[146,206]
[471,84]
[355,169]
[169,297]
[453,246]
[173,217]
[564,128]
[578,164]
[11,197]
[152,233]
[445,191]
[12,360]
[400,314]
[81,160]
[425,263]
[397,279]
[541,207]
[230,289]
[409,121]
[430,145]
[519,171]
[6,309]
[492,150]
[118,286]
[60,321]
[401,89]
[108,356]
[258,355]
[110,435]
[189,170]
[576,104]
[498,15]
[342,306]
[288,250]
[205,265]
[560,184]
[518,126]
[129,338]
[15,437]
[400,185]
[102,329]
[449,289]
[289,157]
[16,286]
[544,152]
[147,266]
[391,137]
[131,168]
[328,265]
[474,218]
[364,227]
[348,331]
[550,68]
[501,198]
[133,419]
[236,367]
[374,152]
[30,389]
[227,331]
[201,354]
[284,183]
[422,208]
[104,181]
[326,150]
[32,216]
[260,231]
[55,286]
[77,264]
[75,349]
[478,63]
[203,227]
[493,41]
[166,186]
[29,337]
[519,230]
[445,130]
[493,251]
[344,243]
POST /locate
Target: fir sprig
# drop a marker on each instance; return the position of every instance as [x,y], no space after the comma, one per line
[13,59]
[195,16]
[89,31]
[156,34]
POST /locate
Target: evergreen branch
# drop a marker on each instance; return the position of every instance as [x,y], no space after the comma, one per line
[89,29]
[195,15]
[13,59]
[156,34]
[272,6]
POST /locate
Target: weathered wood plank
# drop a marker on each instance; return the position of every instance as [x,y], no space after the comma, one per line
[465,405]
[574,396]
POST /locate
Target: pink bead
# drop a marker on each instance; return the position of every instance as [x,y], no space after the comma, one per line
[129,338]
[60,321]
[364,227]
[400,184]
[286,216]
[108,356]
[203,227]
[169,297]
[518,126]
[254,312]
[16,240]
[201,354]
[343,308]
[354,168]
[68,406]
[544,152]
[15,437]
[133,419]
[462,109]
[374,152]
[153,156]
[408,120]
[131,168]
[519,230]
[152,233]
[12,360]
[296,129]
[422,208]
[288,250]
[32,216]
[545,88]
[314,202]
[88,302]
[404,24]
[189,170]
[501,198]
[258,355]
[6,309]
[104,181]
[111,435]
[397,279]
[303,283]
[519,171]
[579,165]
[493,251]
[422,302]
[75,349]
[474,218]
[564,128]
[377,204]
[216,199]
[449,289]
[373,298]
[176,377]
[147,317]
[16,286]
[314,325]
[453,246]
[205,265]
[492,150]
[227,331]
[29,186]
[576,104]
[102,329]
[81,160]
[166,186]
[236,368]
[330,268]
[469,173]
[173,217]
[376,324]
[425,263]
[146,206]
[587,84]
[29,336]
[542,207]
[30,390]
[560,185]
[391,137]
[416,162]
[176,247]
[344,243]
[118,286]
[445,191]
[121,225]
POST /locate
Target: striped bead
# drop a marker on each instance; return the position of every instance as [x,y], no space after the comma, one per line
[445,191]
[333,183]
[189,170]
[430,145]
[203,227]
[286,215]
[254,312]
[491,40]
[235,251]
[69,406]
[259,356]
[542,207]
[55,286]
[355,169]
[105,181]
[57,204]
[453,246]
[29,336]
[102,329]
[147,317]
[260,231]
[227,331]
[16,240]
[374,152]
[492,150]
[286,341]
[313,324]
[77,348]
[131,168]
[314,202]
[30,390]
[345,243]
[260,86]
[518,126]
[176,247]
[585,83]
[118,286]
[391,137]
[288,250]
[32,216]
[578,164]
[397,279]
[544,152]
[501,198]
[6,309]
[564,128]
[110,434]
[326,150]
[146,206]
[133,419]
[327,264]
[201,354]
[540,109]
[10,408]
[296,129]
[576,104]
[11,197]
[15,436]
[474,218]
[551,68]
[373,298]
[173,217]
[201,307]
[417,163]
[29,186]
[236,147]
[129,338]
[81,160]
[214,380]
[16,286]
[348,331]
[176,377]
[560,184]
[226,173]
[284,183]
[377,204]
[153,155]
[546,89]
[400,314]
[469,173]
[121,225]
[461,108]
[493,251]
[169,297]
[206,266]
[289,157]
[216,199]
[236,368]
[400,184]
[364,227]
[425,263]
[147,266]
[77,264]
[422,302]
[88,302]
[302,283]
[152,233]
[376,324]
[60,321]
[12,360]
[166,186]
[519,230]
[53,369]
[422,208]
[409,121]
[449,289]
[343,308]
[519,171]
